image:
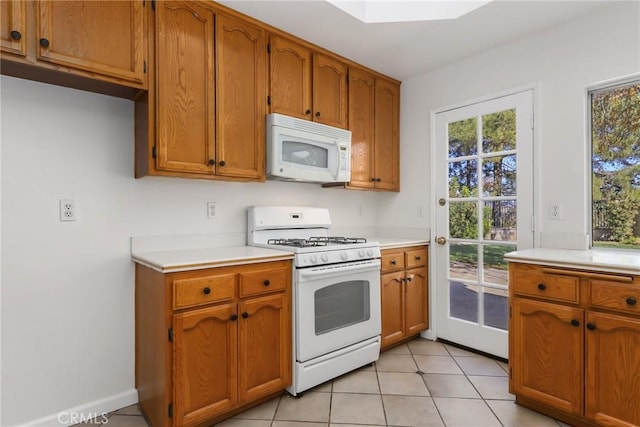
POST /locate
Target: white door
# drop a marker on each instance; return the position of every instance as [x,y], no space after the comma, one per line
[484,209]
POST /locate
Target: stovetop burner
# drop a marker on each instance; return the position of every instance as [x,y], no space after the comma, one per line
[316,241]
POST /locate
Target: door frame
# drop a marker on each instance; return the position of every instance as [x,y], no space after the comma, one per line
[432,333]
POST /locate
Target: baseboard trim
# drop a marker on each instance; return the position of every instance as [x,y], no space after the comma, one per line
[86,411]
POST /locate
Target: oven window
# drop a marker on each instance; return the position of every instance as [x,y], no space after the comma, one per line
[305,154]
[341,305]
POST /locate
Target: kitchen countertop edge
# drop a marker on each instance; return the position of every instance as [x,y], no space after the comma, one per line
[394,243]
[594,260]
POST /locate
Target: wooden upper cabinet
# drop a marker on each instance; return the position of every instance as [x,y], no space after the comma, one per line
[547,350]
[387,135]
[185,83]
[102,37]
[329,91]
[290,82]
[361,120]
[13,27]
[241,98]
[613,369]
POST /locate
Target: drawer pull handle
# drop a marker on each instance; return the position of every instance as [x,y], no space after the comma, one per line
[234,317]
[393,262]
[574,322]
[206,290]
[631,301]
[542,286]
[418,258]
[245,315]
[591,326]
[266,282]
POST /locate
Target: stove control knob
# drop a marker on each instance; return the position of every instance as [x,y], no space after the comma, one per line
[314,259]
[361,253]
[325,258]
[370,252]
[343,256]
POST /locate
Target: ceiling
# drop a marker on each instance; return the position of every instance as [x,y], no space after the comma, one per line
[405,49]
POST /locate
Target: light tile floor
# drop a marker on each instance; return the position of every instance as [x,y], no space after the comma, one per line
[422,383]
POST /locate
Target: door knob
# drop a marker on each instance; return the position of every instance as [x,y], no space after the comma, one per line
[441,240]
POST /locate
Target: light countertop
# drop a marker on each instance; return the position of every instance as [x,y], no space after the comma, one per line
[627,262]
[195,259]
[397,242]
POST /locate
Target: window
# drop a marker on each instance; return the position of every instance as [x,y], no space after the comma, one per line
[615,166]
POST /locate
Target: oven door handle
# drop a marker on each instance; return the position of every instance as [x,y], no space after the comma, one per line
[340,268]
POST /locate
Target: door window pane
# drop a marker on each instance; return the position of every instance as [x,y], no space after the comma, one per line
[463,261]
[463,178]
[499,220]
[499,131]
[305,154]
[463,301]
[463,138]
[499,176]
[495,307]
[495,267]
[341,305]
[463,220]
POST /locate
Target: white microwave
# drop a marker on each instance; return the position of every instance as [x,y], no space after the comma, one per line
[300,150]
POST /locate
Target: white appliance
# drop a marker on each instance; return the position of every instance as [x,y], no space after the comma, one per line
[336,292]
[300,150]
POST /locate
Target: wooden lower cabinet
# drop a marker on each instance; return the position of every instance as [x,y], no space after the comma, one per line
[404,294]
[210,342]
[574,344]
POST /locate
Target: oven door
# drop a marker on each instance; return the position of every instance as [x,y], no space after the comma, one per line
[336,306]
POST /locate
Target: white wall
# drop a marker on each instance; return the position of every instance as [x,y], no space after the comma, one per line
[67,288]
[562,61]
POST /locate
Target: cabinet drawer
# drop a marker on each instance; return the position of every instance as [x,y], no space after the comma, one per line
[263,281]
[203,290]
[533,281]
[392,261]
[615,296]
[415,258]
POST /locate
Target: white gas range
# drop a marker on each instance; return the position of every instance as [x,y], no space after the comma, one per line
[336,292]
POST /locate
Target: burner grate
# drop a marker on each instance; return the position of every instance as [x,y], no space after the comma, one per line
[298,243]
[339,240]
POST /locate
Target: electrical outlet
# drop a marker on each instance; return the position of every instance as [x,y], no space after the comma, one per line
[555,211]
[68,210]
[211,210]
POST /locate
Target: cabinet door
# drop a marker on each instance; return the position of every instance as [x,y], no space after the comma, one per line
[185,103]
[329,91]
[241,98]
[204,363]
[103,37]
[13,29]
[290,78]
[392,296]
[387,135]
[416,301]
[361,118]
[264,347]
[548,354]
[613,370]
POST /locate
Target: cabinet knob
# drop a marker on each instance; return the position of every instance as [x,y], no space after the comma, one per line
[245,315]
[631,301]
[574,322]
[222,163]
[206,290]
[410,278]
[542,286]
[418,258]
[307,112]
[591,326]
[266,282]
[16,35]
[234,317]
[318,114]
[394,262]
[44,42]
[212,162]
